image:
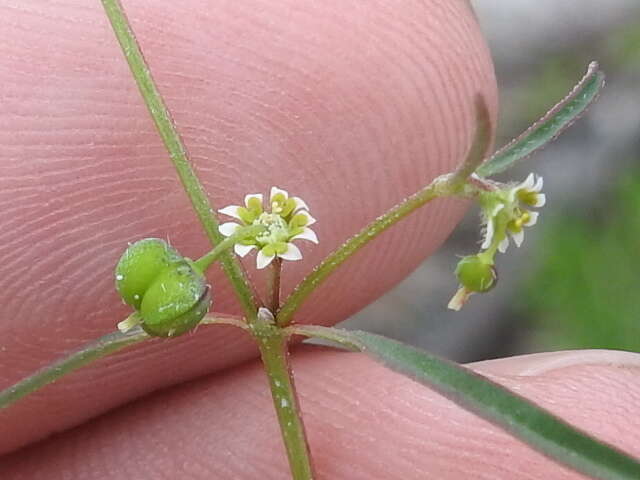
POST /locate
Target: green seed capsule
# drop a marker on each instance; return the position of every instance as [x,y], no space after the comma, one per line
[140,265]
[476,275]
[167,289]
[175,302]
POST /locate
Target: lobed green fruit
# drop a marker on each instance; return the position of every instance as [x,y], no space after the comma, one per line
[475,274]
[167,289]
[175,302]
[140,265]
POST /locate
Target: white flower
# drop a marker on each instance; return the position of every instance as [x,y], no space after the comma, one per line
[504,213]
[528,192]
[287,219]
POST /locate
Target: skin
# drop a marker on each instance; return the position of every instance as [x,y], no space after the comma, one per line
[351,108]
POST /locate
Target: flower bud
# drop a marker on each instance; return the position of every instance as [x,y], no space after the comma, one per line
[475,274]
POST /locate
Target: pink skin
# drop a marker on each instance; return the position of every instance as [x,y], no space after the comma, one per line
[350,107]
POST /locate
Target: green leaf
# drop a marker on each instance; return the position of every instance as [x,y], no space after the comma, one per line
[552,124]
[479,146]
[86,354]
[543,431]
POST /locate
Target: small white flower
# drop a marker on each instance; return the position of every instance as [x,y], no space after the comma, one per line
[505,212]
[528,192]
[287,219]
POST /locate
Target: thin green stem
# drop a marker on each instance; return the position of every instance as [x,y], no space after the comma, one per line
[177,151]
[275,355]
[103,346]
[438,188]
[274,285]
[206,260]
[110,343]
[451,184]
[221,319]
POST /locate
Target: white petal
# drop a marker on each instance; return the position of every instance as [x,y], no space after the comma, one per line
[541,199]
[533,219]
[228,229]
[231,210]
[242,250]
[263,260]
[538,186]
[300,204]
[518,237]
[292,253]
[310,219]
[275,191]
[307,234]
[528,183]
[250,196]
[504,244]
[488,235]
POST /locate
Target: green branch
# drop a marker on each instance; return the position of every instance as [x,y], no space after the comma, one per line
[442,186]
[106,345]
[177,151]
[110,343]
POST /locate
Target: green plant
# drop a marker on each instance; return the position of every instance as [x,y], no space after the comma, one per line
[506,210]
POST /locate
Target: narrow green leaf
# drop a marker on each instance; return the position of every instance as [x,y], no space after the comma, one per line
[110,343]
[552,124]
[479,146]
[507,410]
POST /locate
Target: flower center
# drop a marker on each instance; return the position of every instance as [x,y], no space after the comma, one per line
[522,219]
[277,229]
[528,197]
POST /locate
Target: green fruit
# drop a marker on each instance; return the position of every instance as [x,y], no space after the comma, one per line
[167,289]
[175,302]
[140,265]
[475,274]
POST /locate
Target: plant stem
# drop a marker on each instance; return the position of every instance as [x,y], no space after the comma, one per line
[274,285]
[451,184]
[177,151]
[106,345]
[273,344]
[206,260]
[438,188]
[86,354]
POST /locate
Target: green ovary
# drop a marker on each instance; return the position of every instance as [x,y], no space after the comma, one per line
[277,231]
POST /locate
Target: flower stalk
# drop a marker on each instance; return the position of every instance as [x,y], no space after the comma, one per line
[273,345]
[276,273]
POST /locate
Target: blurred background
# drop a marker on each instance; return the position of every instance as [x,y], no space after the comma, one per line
[575,282]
